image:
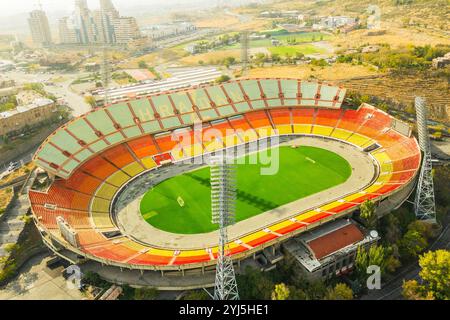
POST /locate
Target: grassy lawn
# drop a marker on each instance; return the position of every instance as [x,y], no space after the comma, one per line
[302,171]
[292,50]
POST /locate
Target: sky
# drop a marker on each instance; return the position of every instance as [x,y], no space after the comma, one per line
[12,7]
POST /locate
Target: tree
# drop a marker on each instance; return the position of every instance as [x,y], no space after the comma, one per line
[142,64]
[197,295]
[368,213]
[435,275]
[145,294]
[91,101]
[281,292]
[254,285]
[222,78]
[340,292]
[376,255]
[276,58]
[413,243]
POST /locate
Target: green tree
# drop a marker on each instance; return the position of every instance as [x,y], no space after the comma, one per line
[91,101]
[145,294]
[368,213]
[142,64]
[196,295]
[340,292]
[254,284]
[435,275]
[413,243]
[280,292]
[222,78]
[376,255]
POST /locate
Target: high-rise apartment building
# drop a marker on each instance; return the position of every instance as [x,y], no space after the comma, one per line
[39,28]
[99,26]
[126,29]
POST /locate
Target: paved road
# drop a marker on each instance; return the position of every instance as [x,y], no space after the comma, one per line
[60,89]
[393,289]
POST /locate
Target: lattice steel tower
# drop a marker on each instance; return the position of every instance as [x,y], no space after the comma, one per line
[424,204]
[223,203]
[244,51]
[106,75]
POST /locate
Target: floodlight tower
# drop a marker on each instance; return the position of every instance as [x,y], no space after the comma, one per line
[106,75]
[244,50]
[424,204]
[223,199]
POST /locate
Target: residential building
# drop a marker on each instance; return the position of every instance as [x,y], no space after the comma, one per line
[14,120]
[126,29]
[39,28]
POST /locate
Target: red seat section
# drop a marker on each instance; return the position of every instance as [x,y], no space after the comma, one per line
[352,119]
[166,143]
[375,124]
[303,116]
[281,116]
[143,147]
[119,155]
[62,198]
[258,119]
[82,182]
[99,168]
[326,117]
[241,124]
[47,217]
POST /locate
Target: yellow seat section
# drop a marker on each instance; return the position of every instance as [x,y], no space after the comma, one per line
[302,128]
[178,154]
[102,220]
[284,129]
[193,150]
[213,145]
[281,225]
[133,169]
[106,191]
[100,205]
[373,188]
[358,139]
[118,178]
[306,215]
[160,252]
[248,135]
[322,130]
[192,253]
[232,140]
[253,236]
[148,162]
[134,245]
[354,196]
[341,134]
[265,132]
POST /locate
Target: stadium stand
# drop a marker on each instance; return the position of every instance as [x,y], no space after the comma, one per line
[98,153]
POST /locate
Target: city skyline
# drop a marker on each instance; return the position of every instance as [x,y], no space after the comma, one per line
[51,6]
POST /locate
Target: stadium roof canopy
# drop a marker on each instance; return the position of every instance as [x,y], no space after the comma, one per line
[80,139]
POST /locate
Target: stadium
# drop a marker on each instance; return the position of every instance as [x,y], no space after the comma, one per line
[129,188]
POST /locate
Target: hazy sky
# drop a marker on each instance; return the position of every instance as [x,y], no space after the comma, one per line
[12,7]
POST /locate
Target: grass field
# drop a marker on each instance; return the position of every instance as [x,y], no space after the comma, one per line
[302,171]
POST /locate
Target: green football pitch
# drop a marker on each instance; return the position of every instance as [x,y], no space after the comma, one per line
[302,171]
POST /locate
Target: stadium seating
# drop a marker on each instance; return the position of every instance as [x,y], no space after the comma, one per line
[103,150]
